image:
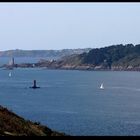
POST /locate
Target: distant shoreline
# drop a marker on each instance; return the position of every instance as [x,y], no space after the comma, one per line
[29,65]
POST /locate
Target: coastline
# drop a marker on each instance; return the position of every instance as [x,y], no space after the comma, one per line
[137,69]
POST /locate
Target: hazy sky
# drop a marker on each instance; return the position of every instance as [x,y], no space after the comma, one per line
[68,25]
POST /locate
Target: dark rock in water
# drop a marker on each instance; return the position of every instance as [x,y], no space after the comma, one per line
[34,85]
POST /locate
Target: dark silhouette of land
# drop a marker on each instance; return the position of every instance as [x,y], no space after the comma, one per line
[14,125]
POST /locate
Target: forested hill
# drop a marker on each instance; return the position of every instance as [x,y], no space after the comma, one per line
[118,57]
[115,57]
[115,54]
[108,57]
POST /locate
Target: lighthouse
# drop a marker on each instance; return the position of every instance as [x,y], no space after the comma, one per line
[34,85]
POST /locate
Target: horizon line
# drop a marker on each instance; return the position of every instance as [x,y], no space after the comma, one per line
[65,48]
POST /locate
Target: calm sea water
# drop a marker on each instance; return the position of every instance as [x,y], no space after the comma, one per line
[71,101]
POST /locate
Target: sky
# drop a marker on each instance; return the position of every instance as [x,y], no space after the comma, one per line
[45,26]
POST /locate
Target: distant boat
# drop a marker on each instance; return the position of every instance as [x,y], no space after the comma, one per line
[102,86]
[10,74]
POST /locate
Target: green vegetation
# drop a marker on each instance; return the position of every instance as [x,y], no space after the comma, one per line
[127,56]
[13,125]
[115,57]
[110,54]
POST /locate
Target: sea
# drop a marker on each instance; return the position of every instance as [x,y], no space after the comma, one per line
[72,102]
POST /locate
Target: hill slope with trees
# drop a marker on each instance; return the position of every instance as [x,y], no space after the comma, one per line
[115,57]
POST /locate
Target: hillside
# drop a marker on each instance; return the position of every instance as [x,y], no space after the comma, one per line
[115,57]
[13,125]
[42,53]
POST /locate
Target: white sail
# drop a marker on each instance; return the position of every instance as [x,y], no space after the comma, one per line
[10,74]
[102,86]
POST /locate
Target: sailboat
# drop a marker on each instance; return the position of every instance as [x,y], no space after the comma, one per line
[102,86]
[10,74]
